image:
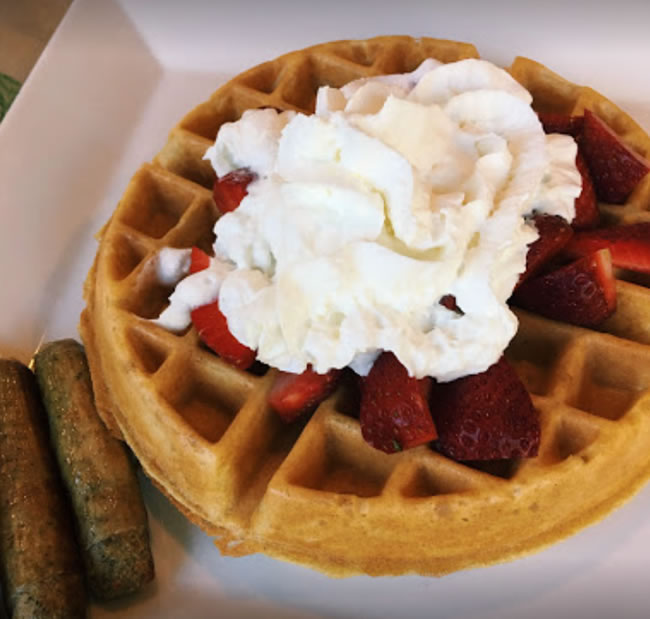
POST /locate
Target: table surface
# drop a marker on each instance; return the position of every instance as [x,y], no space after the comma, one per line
[25,29]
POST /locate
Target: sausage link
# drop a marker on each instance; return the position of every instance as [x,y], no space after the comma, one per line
[98,474]
[42,576]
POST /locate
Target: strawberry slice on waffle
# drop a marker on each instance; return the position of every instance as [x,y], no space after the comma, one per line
[212,325]
[587,212]
[554,234]
[394,411]
[294,395]
[581,293]
[485,416]
[229,190]
[628,244]
[615,168]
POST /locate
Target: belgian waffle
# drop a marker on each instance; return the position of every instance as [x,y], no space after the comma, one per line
[315,492]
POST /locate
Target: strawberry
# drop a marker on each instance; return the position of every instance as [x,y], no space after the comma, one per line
[587,213]
[212,325]
[556,122]
[199,260]
[394,411]
[293,395]
[554,234]
[581,293]
[486,416]
[449,301]
[628,244]
[230,190]
[615,168]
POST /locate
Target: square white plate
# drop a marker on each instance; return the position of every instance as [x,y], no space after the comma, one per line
[117,75]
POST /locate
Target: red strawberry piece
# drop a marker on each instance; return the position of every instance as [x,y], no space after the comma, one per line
[486,416]
[554,234]
[587,213]
[212,325]
[581,293]
[199,260]
[394,412]
[293,395]
[230,190]
[628,244]
[615,169]
[556,122]
[449,301]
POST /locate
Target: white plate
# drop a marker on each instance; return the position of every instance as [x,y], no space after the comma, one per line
[115,78]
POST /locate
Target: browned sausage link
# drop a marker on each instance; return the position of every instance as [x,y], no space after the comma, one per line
[98,474]
[41,570]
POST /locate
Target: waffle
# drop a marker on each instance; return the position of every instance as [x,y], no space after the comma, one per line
[314,492]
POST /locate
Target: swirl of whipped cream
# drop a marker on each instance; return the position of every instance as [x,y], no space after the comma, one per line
[399,190]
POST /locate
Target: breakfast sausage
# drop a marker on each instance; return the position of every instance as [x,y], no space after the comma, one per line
[41,572]
[98,474]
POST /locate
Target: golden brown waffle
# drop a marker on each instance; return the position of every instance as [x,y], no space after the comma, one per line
[315,492]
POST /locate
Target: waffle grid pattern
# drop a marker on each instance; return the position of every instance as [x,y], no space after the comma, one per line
[315,492]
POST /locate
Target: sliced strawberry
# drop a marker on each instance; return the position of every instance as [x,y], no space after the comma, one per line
[581,293]
[587,213]
[212,325]
[554,234]
[486,416]
[199,260]
[449,301]
[293,395]
[628,244]
[615,169]
[230,190]
[394,411]
[556,122]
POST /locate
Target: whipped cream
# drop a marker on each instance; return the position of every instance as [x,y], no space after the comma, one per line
[399,190]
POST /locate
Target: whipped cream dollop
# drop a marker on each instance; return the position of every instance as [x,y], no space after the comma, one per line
[397,191]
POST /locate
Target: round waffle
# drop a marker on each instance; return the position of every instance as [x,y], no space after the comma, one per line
[315,492]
